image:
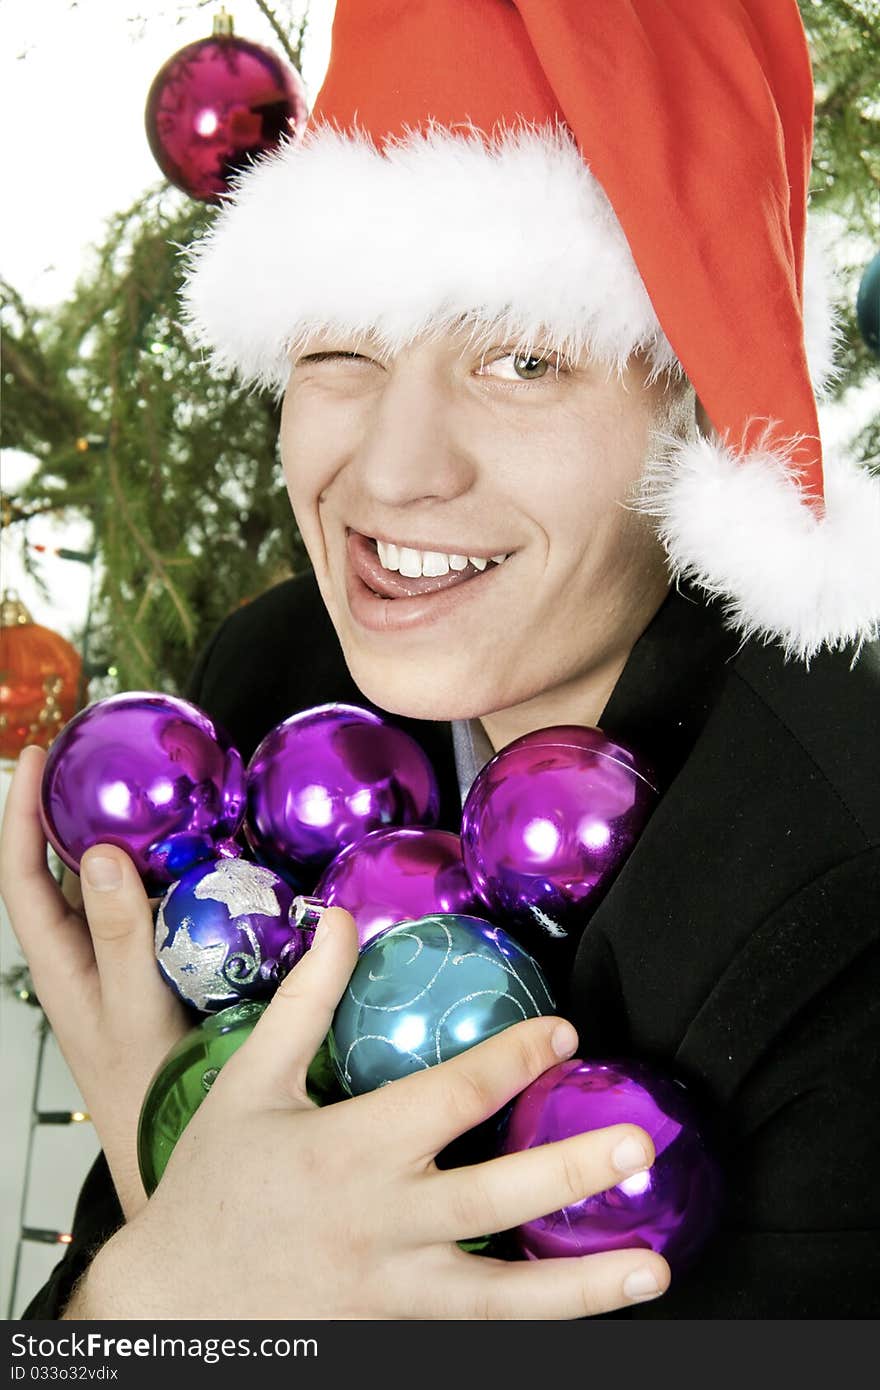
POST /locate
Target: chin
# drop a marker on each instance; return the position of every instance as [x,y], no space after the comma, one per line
[421,690]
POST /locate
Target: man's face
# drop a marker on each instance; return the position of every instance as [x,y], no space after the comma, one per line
[461,452]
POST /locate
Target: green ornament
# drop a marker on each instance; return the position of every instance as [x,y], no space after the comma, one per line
[189,1071]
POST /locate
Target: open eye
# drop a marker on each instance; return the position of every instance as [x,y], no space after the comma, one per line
[521,366]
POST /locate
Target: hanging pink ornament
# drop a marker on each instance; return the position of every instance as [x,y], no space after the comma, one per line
[398,875]
[547,824]
[217,104]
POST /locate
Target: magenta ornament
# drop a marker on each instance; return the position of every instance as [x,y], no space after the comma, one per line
[398,875]
[328,776]
[150,773]
[548,823]
[217,104]
[672,1208]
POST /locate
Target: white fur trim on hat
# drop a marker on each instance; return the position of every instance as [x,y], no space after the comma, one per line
[332,234]
[514,234]
[737,525]
[823,334]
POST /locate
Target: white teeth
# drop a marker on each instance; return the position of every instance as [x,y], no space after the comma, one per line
[434,564]
[412,563]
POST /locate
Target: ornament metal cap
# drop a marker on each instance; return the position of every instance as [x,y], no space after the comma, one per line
[13,613]
[306,912]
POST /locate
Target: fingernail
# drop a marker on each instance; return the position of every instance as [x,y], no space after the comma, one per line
[641,1283]
[564,1040]
[629,1156]
[102,873]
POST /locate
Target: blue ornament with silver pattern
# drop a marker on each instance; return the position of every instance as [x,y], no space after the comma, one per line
[424,991]
[225,932]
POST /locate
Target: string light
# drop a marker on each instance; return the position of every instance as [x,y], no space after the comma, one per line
[45,1237]
[61,1117]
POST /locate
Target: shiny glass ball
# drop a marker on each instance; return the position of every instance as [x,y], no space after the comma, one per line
[548,822]
[328,776]
[672,1208]
[427,990]
[217,104]
[189,1071]
[148,772]
[398,875]
[184,1079]
[223,932]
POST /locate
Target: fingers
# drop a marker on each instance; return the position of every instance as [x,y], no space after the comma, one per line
[557,1289]
[495,1196]
[121,925]
[54,942]
[274,1060]
[28,887]
[435,1106]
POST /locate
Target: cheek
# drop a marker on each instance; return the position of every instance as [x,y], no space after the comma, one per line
[582,505]
[308,461]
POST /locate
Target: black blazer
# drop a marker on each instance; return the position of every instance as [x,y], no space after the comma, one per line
[738,946]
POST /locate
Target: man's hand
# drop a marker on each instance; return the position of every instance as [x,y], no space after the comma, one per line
[91,955]
[272,1208]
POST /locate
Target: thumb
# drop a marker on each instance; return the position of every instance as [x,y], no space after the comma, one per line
[277,1055]
[120,921]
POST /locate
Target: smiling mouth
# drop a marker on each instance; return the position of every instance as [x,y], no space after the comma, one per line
[390,584]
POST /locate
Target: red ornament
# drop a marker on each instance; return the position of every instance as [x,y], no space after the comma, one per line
[39,679]
[217,104]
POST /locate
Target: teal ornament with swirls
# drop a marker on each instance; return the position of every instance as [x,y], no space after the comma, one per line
[424,991]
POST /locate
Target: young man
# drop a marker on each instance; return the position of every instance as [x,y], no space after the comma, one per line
[534,290]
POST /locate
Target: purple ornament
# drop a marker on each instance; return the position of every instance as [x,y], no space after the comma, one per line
[672,1208]
[215,106]
[398,876]
[328,776]
[148,772]
[549,821]
[225,932]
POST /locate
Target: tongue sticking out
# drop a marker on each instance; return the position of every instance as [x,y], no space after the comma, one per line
[390,584]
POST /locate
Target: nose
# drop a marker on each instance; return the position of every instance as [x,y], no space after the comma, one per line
[410,451]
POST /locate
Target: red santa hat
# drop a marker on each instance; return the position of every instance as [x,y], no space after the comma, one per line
[604,177]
